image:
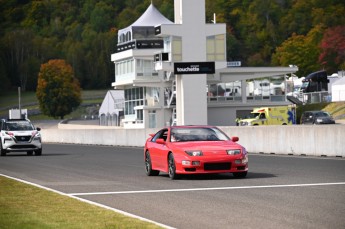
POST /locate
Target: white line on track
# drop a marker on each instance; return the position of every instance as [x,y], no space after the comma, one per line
[204,189]
[89,202]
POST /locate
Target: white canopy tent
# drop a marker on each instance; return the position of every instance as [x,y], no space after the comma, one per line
[112,108]
[338,90]
[144,26]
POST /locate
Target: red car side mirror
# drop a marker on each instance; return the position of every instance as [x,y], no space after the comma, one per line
[235,139]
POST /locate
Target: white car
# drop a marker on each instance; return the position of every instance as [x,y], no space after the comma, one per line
[19,135]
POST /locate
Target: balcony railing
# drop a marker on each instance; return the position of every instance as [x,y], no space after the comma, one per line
[315,97]
[250,99]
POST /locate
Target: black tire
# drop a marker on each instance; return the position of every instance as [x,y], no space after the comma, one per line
[38,152]
[30,153]
[172,167]
[240,175]
[2,151]
[148,166]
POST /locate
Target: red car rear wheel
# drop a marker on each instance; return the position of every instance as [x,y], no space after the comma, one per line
[148,166]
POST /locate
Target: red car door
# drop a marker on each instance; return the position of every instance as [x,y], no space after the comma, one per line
[158,150]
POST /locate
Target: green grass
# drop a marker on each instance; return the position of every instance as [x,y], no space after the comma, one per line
[336,109]
[29,101]
[24,206]
[95,97]
[10,99]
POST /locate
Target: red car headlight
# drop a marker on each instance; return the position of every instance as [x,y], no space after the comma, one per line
[233,151]
[194,153]
[244,160]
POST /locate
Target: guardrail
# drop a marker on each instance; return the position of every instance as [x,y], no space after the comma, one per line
[315,97]
[323,140]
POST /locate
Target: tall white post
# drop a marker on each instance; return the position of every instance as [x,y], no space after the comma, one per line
[191,98]
[190,25]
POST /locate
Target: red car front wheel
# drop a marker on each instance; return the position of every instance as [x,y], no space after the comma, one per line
[172,167]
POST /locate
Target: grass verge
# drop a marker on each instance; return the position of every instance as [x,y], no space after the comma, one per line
[336,109]
[90,98]
[26,206]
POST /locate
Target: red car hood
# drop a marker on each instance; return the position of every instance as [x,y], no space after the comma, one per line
[207,147]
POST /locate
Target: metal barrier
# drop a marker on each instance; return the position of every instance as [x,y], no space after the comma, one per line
[315,97]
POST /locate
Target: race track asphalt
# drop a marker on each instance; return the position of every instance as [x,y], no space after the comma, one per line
[279,192]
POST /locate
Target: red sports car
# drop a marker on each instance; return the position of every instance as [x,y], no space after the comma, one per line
[180,150]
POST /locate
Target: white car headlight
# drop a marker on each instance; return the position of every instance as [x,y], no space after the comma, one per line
[233,151]
[9,134]
[194,153]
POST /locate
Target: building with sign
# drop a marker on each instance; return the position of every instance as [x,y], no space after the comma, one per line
[135,74]
[177,73]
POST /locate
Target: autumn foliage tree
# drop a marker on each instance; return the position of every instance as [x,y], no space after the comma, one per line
[300,50]
[333,49]
[84,33]
[58,91]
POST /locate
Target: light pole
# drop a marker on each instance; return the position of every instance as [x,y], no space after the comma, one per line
[19,105]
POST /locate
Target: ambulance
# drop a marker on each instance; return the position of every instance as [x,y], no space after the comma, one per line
[282,115]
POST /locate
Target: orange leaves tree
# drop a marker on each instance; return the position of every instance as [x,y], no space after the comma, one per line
[300,50]
[333,49]
[58,91]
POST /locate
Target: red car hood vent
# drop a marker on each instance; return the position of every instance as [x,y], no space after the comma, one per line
[209,147]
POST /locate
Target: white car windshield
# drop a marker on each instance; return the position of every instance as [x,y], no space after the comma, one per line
[197,134]
[19,126]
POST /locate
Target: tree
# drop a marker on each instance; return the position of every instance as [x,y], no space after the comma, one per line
[84,33]
[58,91]
[101,17]
[300,50]
[19,47]
[333,49]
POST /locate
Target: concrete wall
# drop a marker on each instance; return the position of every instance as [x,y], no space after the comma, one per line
[327,140]
[324,140]
[221,116]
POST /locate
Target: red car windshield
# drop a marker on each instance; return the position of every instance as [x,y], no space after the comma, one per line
[197,134]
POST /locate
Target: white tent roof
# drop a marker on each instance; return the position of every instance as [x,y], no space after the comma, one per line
[111,98]
[340,81]
[338,90]
[151,17]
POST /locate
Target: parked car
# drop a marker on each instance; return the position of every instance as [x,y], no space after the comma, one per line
[316,117]
[179,150]
[19,135]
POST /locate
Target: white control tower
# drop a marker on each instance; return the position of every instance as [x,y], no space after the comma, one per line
[193,48]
